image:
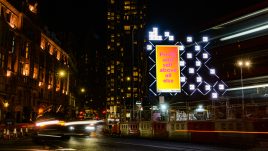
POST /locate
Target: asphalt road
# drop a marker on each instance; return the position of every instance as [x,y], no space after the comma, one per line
[89,143]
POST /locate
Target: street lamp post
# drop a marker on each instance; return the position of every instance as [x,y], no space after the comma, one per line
[242,64]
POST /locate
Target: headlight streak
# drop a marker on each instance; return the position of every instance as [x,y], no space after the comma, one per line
[221,131]
[81,122]
[53,122]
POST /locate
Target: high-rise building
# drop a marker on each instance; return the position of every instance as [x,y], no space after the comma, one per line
[125,64]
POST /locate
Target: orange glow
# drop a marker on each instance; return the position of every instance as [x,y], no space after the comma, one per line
[6,104]
[13,21]
[32,8]
[26,70]
[221,131]
[40,83]
[40,110]
[8,73]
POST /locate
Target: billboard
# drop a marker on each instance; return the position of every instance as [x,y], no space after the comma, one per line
[167,68]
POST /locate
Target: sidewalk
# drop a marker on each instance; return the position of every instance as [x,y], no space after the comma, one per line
[16,131]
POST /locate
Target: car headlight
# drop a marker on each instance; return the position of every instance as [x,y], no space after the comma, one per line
[90,128]
[71,128]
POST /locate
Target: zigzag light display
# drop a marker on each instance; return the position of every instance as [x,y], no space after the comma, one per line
[196,76]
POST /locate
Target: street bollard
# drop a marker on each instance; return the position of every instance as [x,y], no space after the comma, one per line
[8,134]
[4,132]
[21,131]
[15,133]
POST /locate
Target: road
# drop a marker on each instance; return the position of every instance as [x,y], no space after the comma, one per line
[90,143]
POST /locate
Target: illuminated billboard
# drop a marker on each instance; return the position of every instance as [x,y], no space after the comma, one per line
[167,68]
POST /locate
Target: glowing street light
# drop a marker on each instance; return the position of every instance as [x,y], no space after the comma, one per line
[62,73]
[163,107]
[6,104]
[83,90]
[242,64]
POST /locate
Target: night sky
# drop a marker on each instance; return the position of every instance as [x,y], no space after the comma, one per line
[181,17]
[188,16]
[73,15]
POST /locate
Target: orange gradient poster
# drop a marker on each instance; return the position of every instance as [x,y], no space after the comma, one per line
[167,68]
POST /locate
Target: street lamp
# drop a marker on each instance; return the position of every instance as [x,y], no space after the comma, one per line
[65,74]
[82,90]
[6,104]
[242,64]
[62,73]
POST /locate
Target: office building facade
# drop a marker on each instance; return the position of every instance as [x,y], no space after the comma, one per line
[34,71]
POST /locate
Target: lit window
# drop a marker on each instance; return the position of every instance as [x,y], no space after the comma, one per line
[35,73]
[126,27]
[8,73]
[128,95]
[135,73]
[127,7]
[26,69]
[43,43]
[13,20]
[58,55]
[51,50]
[27,50]
[33,8]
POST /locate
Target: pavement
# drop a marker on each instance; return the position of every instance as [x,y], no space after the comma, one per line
[14,132]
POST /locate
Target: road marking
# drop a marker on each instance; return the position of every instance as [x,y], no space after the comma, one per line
[66,149]
[155,146]
[48,135]
[24,149]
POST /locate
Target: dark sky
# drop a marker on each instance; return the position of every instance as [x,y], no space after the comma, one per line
[73,15]
[182,16]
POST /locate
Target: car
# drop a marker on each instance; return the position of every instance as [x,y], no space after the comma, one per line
[84,127]
[50,126]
